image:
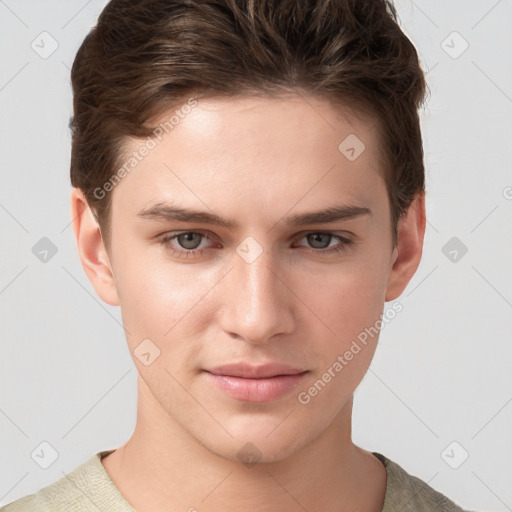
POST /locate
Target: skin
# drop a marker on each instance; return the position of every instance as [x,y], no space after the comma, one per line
[256,160]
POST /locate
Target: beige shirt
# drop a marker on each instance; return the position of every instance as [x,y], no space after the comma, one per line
[89,488]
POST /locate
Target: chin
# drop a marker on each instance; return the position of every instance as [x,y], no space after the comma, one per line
[254,441]
[258,451]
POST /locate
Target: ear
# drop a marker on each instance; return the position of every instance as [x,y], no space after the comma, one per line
[91,249]
[407,253]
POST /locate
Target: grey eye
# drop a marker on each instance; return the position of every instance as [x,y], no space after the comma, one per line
[189,240]
[314,238]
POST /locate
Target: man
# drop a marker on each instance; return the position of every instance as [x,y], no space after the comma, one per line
[249,189]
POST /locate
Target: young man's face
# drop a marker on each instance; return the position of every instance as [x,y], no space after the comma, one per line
[266,292]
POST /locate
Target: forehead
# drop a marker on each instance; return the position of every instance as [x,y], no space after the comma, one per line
[261,152]
[288,119]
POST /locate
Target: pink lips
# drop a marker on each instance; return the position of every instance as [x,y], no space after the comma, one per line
[259,384]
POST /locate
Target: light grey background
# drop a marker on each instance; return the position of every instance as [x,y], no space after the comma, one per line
[442,372]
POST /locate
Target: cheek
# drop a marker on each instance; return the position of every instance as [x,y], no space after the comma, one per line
[347,298]
[349,307]
[157,296]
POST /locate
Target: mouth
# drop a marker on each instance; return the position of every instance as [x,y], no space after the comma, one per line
[256,384]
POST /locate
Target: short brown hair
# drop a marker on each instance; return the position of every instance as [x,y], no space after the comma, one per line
[145,57]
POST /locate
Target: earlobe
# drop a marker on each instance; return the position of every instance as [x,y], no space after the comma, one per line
[407,254]
[91,249]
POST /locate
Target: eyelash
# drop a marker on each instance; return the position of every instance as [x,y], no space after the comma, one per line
[184,253]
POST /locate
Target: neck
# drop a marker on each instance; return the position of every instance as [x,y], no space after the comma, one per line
[162,468]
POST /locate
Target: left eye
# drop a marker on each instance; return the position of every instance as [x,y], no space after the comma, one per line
[189,242]
[314,237]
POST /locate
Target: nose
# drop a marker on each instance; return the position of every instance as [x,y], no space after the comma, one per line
[256,301]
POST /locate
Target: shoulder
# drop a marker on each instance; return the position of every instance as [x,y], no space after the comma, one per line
[86,488]
[408,493]
[26,504]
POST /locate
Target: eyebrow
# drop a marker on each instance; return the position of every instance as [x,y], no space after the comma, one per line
[169,212]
